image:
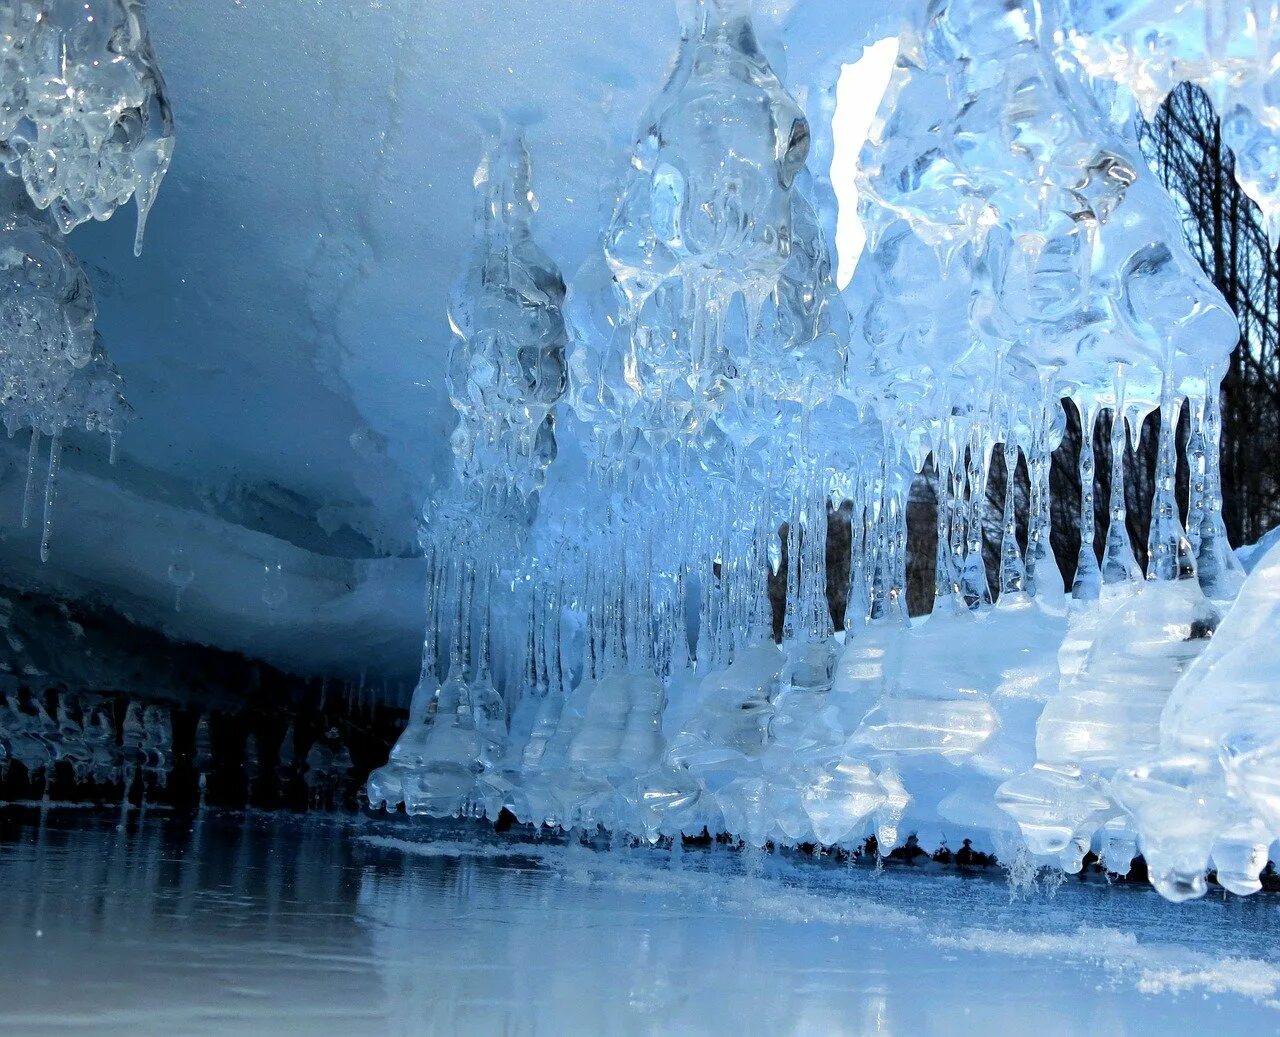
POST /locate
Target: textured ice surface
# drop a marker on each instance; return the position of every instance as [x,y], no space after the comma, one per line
[1227,47]
[1206,790]
[47,310]
[55,373]
[506,370]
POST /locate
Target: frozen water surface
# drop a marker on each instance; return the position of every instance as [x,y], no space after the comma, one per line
[263,924]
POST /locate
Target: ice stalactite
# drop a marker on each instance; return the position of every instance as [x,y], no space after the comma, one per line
[50,490]
[1013,570]
[1087,583]
[506,374]
[81,736]
[33,455]
[506,369]
[1217,567]
[1119,565]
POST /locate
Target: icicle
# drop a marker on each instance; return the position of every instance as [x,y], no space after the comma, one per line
[1219,569]
[959,514]
[973,575]
[1088,579]
[1044,579]
[898,551]
[553,660]
[28,495]
[1013,572]
[791,608]
[857,604]
[1169,555]
[1196,470]
[944,577]
[1119,564]
[813,592]
[50,492]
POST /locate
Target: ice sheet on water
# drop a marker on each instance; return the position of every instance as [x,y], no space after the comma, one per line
[1082,928]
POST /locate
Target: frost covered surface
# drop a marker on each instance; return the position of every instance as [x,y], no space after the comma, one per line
[307,927]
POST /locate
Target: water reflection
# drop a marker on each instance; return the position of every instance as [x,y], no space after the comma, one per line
[264,924]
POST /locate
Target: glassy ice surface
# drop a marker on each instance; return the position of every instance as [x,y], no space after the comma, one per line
[252,924]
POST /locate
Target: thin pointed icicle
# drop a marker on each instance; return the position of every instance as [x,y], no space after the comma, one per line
[1218,567]
[1119,564]
[898,553]
[1044,578]
[945,580]
[50,492]
[1197,464]
[858,604]
[1013,571]
[791,608]
[959,516]
[1169,555]
[28,495]
[973,574]
[1087,584]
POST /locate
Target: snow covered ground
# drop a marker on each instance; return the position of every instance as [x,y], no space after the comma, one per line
[266,924]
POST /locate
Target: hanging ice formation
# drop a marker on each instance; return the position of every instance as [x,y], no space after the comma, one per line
[82,735]
[732,405]
[506,374]
[84,119]
[506,370]
[84,125]
[54,372]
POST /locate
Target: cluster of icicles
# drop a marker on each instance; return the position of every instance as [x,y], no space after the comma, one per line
[615,663]
[81,734]
[1226,47]
[84,126]
[100,740]
[1034,712]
